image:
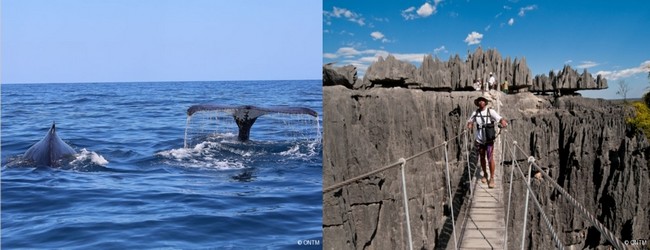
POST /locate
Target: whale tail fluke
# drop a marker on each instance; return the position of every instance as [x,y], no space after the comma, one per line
[245,116]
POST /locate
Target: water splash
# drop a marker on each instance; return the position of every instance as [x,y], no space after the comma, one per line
[85,156]
[208,155]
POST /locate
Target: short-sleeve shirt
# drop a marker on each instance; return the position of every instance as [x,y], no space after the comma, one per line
[492,117]
[492,81]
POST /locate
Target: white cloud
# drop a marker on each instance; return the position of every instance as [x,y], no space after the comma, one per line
[408,14]
[473,38]
[511,21]
[507,7]
[587,64]
[343,13]
[345,32]
[522,11]
[379,19]
[376,35]
[498,15]
[364,58]
[347,52]
[379,36]
[440,49]
[425,10]
[412,58]
[568,61]
[330,56]
[488,27]
[618,74]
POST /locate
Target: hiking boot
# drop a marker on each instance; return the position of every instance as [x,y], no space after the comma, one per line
[483,180]
[492,184]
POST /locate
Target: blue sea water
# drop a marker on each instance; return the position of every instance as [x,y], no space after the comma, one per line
[133,184]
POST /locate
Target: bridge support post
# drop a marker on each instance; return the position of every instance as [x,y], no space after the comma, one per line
[451,197]
[402,162]
[531,160]
[512,171]
[469,171]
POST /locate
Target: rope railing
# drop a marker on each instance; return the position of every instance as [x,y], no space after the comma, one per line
[523,234]
[512,171]
[451,199]
[599,226]
[392,165]
[556,238]
[402,162]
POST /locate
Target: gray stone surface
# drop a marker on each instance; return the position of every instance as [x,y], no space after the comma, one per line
[583,143]
[346,75]
[453,74]
[567,81]
[457,74]
[389,72]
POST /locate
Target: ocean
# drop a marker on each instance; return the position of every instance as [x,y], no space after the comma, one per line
[133,183]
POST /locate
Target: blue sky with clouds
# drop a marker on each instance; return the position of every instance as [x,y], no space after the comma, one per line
[604,37]
[160,40]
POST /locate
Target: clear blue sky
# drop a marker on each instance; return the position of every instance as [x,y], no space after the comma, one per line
[606,37]
[45,41]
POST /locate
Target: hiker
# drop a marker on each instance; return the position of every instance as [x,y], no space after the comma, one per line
[492,81]
[477,85]
[505,87]
[484,119]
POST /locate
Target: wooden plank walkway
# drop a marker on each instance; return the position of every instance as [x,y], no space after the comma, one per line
[485,225]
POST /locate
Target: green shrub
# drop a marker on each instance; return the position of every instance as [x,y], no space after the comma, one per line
[646,98]
[641,122]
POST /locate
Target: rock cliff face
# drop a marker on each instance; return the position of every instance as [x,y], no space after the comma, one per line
[456,74]
[584,144]
[589,150]
[367,129]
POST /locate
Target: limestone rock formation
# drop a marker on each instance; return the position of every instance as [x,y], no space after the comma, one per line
[345,76]
[389,73]
[567,81]
[433,74]
[456,74]
[583,144]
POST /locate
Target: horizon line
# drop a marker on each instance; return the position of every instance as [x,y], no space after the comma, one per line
[166,81]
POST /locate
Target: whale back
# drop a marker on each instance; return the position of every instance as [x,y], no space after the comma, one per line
[49,150]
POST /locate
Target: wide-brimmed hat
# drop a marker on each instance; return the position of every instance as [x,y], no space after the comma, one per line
[480,99]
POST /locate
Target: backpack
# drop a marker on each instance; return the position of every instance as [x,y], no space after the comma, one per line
[488,128]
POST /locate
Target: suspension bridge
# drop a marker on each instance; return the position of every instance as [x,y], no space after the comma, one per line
[486,218]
